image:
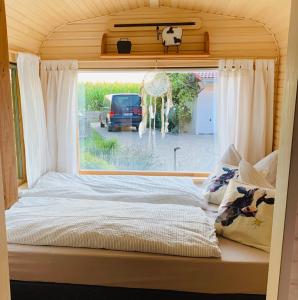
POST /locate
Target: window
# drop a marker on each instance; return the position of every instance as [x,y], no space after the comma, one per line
[18,127]
[110,113]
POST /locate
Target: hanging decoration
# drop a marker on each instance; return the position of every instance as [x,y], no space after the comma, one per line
[171,36]
[156,87]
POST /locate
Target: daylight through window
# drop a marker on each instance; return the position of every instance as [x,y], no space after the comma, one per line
[110,113]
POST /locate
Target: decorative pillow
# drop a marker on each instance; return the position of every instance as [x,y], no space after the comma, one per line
[231,156]
[248,174]
[245,215]
[268,167]
[216,184]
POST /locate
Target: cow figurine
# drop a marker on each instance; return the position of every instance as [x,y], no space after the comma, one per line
[171,36]
[223,179]
[243,206]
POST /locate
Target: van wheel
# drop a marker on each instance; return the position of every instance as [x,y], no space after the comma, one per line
[137,128]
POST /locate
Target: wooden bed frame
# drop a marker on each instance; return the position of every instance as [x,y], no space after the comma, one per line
[22,290]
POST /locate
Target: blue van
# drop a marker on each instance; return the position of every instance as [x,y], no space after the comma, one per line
[121,110]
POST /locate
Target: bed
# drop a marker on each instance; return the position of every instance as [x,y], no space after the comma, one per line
[239,269]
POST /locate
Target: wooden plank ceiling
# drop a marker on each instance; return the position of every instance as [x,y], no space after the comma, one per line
[31,21]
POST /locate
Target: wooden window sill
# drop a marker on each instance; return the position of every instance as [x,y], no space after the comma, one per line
[198,177]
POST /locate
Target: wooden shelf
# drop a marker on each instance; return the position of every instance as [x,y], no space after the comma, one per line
[153,56]
[148,47]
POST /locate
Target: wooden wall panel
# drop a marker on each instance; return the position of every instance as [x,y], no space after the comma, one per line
[4,278]
[293,294]
[7,141]
[4,273]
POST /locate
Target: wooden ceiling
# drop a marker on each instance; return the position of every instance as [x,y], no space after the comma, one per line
[31,21]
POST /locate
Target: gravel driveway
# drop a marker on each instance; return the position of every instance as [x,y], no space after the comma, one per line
[196,153]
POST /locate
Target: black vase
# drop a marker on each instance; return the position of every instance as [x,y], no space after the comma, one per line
[123,46]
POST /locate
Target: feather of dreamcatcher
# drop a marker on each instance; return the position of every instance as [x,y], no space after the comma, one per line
[143,124]
[156,85]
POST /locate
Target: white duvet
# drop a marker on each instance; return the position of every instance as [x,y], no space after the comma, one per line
[148,189]
[153,214]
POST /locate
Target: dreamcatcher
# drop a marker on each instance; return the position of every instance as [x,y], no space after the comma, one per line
[156,87]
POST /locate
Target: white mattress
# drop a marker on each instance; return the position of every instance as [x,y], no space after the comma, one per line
[144,214]
[240,270]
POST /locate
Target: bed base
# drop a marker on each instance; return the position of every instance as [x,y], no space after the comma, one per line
[23,290]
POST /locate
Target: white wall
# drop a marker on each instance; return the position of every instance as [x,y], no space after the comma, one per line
[204,110]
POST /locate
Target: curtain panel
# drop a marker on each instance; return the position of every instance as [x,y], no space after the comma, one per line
[34,120]
[59,84]
[245,104]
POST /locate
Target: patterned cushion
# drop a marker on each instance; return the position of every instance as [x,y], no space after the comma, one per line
[248,174]
[231,156]
[217,182]
[245,214]
[268,167]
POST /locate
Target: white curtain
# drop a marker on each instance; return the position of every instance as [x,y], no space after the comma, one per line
[245,103]
[59,84]
[33,113]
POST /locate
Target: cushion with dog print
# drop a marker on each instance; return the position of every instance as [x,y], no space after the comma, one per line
[216,184]
[245,214]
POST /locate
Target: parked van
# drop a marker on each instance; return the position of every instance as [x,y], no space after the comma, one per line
[121,110]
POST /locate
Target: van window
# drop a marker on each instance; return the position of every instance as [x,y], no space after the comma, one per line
[120,101]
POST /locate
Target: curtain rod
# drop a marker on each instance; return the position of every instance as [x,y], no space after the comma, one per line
[155,24]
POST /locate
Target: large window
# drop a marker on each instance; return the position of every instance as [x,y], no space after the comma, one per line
[18,125]
[110,113]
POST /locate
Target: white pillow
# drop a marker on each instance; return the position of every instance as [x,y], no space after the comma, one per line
[268,167]
[231,156]
[245,215]
[248,174]
[216,184]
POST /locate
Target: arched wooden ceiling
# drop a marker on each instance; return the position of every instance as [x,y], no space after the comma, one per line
[31,21]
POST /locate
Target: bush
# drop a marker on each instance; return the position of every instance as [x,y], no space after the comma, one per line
[96,144]
[95,150]
[98,153]
[91,95]
[185,88]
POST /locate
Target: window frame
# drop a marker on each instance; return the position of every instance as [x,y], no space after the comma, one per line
[84,67]
[18,125]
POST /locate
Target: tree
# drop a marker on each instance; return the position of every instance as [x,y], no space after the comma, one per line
[185,88]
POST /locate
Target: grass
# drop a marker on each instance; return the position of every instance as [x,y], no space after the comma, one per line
[91,162]
[98,153]
[95,150]
[96,144]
